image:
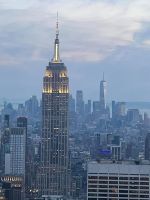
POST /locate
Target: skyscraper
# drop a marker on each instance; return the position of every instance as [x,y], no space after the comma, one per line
[103,85]
[32,107]
[22,122]
[53,169]
[71,104]
[6,121]
[133,116]
[79,102]
[147,147]
[17,151]
[87,109]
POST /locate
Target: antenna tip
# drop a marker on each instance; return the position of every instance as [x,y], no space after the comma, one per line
[103,76]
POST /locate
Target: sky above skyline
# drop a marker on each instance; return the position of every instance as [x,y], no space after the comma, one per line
[96,36]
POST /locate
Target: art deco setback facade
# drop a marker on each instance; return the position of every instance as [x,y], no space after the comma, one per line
[53,178]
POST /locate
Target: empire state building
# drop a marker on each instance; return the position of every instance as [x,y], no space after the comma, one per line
[53,178]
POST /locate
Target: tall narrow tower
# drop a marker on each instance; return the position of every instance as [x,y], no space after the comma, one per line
[103,85]
[53,179]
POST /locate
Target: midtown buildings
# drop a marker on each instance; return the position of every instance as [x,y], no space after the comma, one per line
[94,135]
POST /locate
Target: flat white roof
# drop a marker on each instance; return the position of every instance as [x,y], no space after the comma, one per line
[121,168]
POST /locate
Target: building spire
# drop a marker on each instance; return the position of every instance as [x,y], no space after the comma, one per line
[57,27]
[103,76]
[56,58]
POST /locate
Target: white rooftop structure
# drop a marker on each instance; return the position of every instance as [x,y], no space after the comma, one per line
[124,167]
[119,180]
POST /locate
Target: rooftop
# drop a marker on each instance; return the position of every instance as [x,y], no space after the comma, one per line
[123,167]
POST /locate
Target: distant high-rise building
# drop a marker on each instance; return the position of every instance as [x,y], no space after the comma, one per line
[119,180]
[121,109]
[9,110]
[31,106]
[17,151]
[113,109]
[29,162]
[118,113]
[115,147]
[6,121]
[88,108]
[72,114]
[79,102]
[146,120]
[53,170]
[116,152]
[22,122]
[103,85]
[133,116]
[96,109]
[21,110]
[118,109]
[5,144]
[71,104]
[147,147]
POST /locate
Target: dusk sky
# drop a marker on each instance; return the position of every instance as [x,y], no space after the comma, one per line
[96,36]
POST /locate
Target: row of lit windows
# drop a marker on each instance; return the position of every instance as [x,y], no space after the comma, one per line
[61,74]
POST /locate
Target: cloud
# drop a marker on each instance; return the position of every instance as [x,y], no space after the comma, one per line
[7,60]
[89,56]
[146,43]
[89,30]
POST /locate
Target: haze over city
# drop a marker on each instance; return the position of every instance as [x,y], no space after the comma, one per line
[74,100]
[95,37]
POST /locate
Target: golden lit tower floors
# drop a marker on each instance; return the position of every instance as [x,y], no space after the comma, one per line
[53,178]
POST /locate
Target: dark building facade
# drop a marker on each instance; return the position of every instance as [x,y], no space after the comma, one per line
[12,187]
[147,147]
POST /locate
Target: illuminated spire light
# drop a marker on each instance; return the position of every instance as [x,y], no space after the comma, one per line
[56,58]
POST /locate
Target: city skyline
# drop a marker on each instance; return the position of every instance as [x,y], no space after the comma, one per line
[62,63]
[114,41]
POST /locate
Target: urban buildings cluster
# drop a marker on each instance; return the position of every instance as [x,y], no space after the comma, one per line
[65,148]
